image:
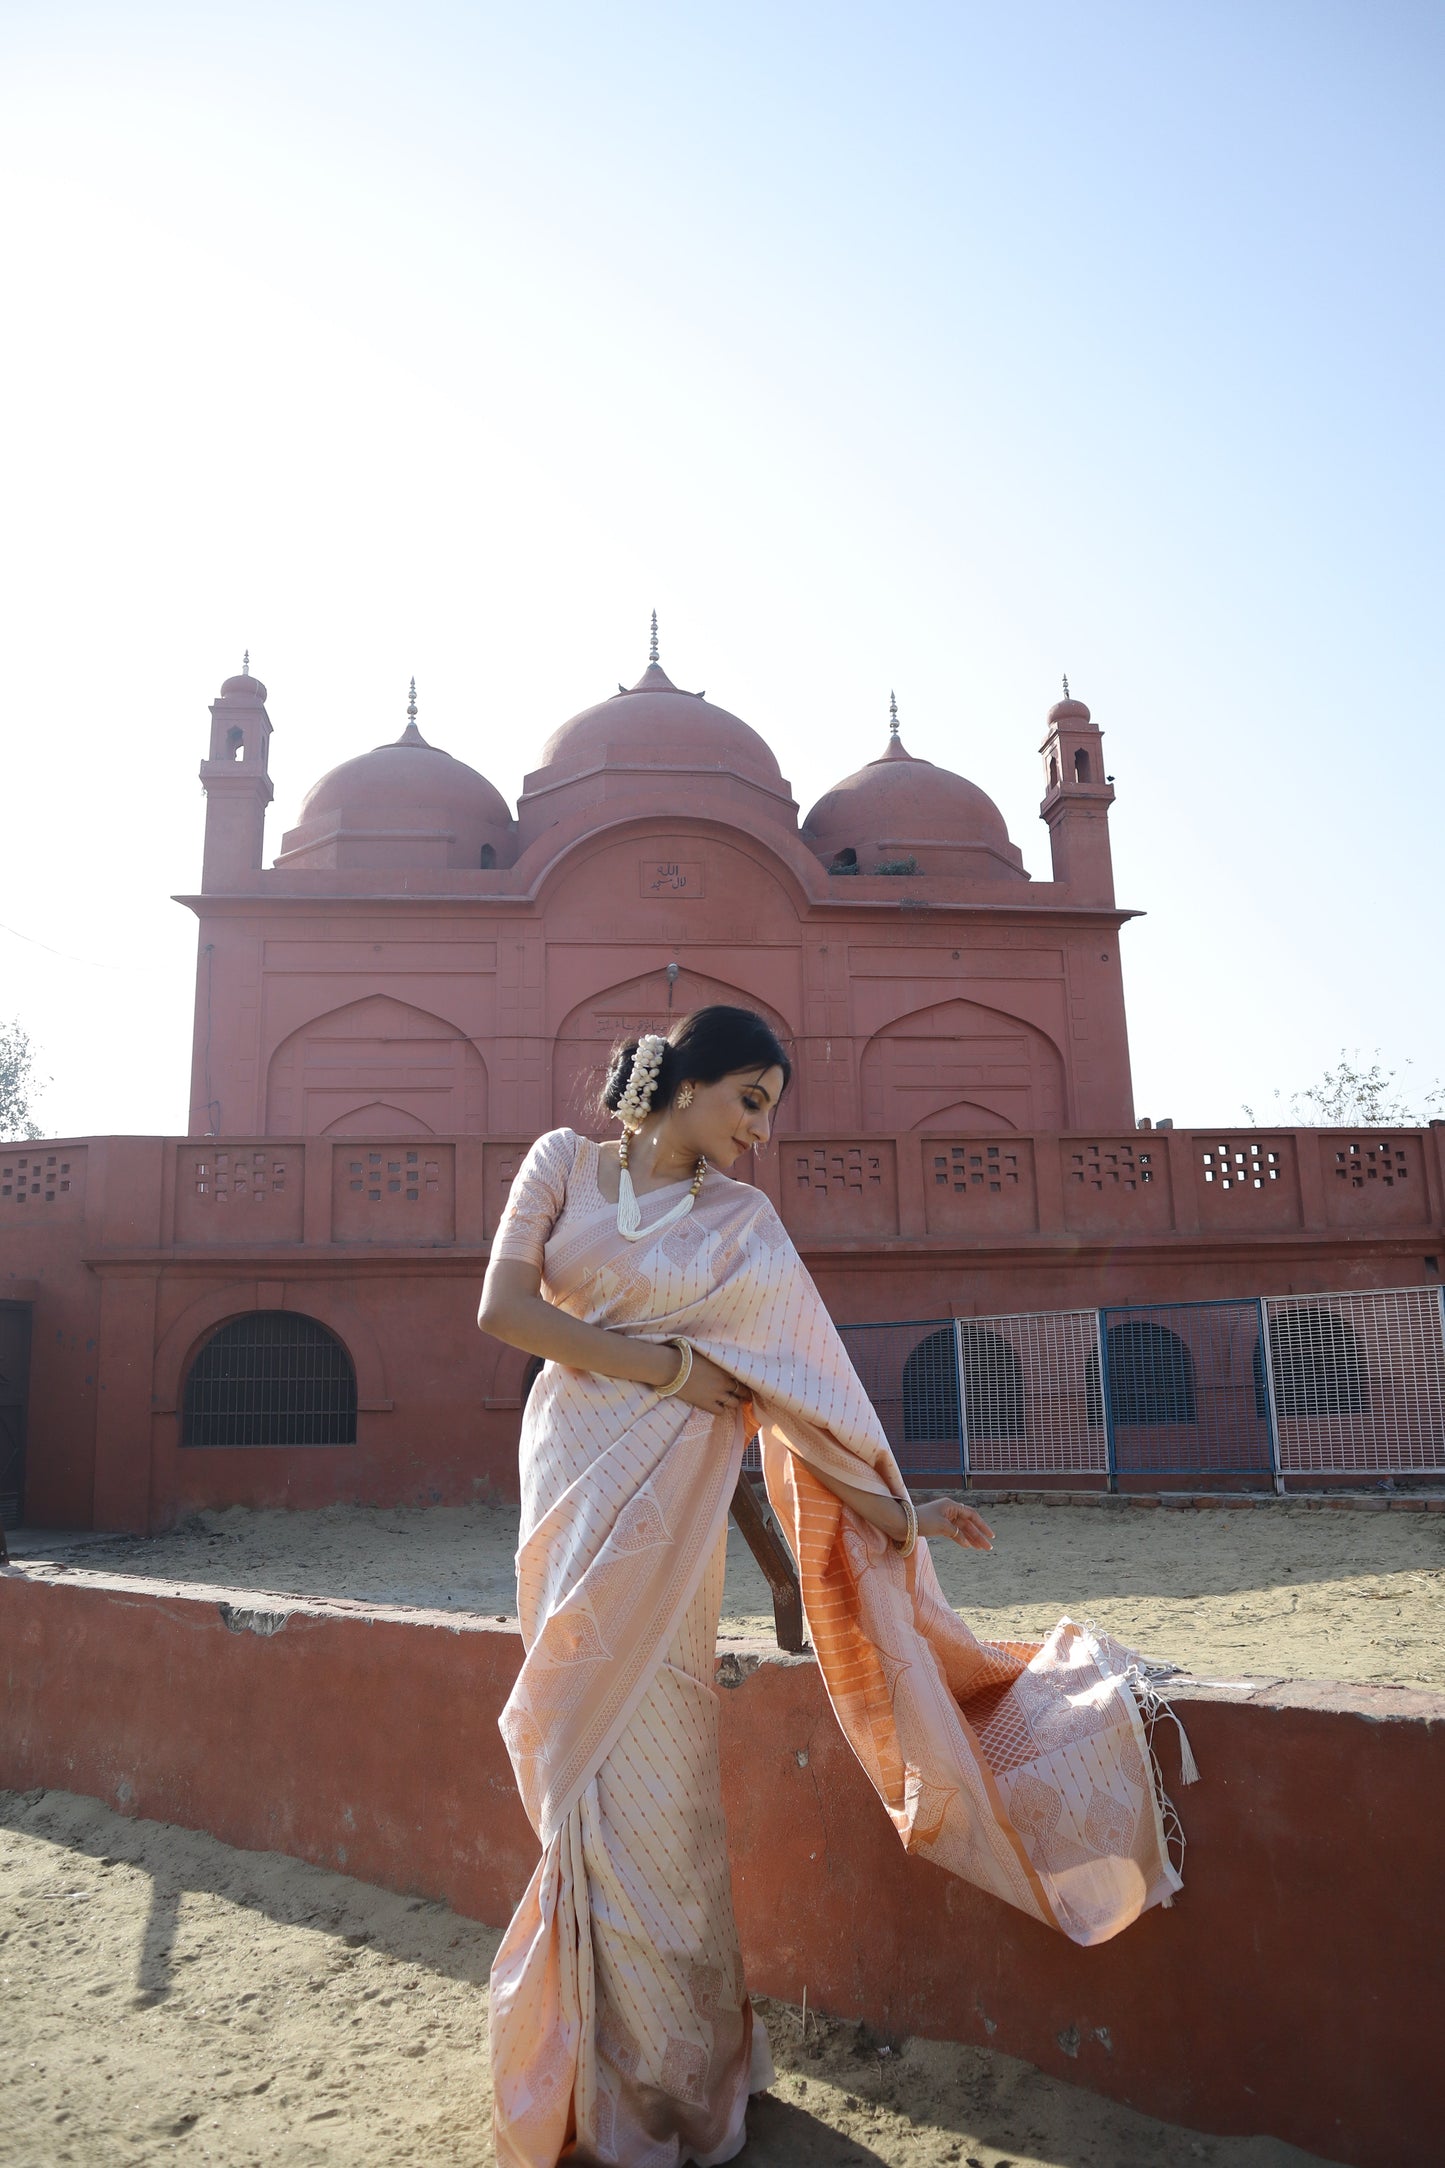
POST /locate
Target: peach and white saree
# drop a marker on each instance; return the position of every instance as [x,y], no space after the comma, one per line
[620,2029]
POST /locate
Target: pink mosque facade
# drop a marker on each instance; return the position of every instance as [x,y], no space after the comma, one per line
[421,981]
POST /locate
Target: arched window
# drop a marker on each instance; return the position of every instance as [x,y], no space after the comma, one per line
[1053,773]
[1318,1367]
[1151,1377]
[844,861]
[236,742]
[993,1384]
[1081,766]
[489,857]
[993,1387]
[272,1378]
[930,1389]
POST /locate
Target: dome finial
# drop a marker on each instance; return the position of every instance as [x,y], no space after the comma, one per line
[1067,694]
[246,663]
[411,706]
[652,654]
[893,715]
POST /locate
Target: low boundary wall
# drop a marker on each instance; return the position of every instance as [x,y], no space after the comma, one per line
[1290,1990]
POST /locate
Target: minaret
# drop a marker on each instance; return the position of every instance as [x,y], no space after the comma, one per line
[1077,798]
[237,786]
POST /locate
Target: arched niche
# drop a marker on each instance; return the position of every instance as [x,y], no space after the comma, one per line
[416,1073]
[587,1034]
[961,1054]
[377,1119]
[966,1117]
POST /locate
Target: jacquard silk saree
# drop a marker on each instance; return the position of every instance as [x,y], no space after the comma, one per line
[620,2028]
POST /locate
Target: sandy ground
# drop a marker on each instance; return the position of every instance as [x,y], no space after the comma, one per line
[1280,1590]
[165,1999]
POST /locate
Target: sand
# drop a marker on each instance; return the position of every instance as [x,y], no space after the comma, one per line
[1281,1590]
[168,1999]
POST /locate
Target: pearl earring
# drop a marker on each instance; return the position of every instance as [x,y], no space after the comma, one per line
[682,1098]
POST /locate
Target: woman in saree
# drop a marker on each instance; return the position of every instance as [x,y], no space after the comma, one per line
[675,1320]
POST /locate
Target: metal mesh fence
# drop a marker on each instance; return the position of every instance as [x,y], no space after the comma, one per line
[1347,1384]
[910,1374]
[272,1378]
[985,1395]
[1184,1392]
[1359,1382]
[1027,1392]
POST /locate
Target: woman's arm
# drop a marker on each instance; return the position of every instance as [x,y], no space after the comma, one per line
[513,1309]
[939,1517]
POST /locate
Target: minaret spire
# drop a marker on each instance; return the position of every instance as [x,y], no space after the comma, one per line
[893,715]
[652,654]
[246,663]
[1067,694]
[411,706]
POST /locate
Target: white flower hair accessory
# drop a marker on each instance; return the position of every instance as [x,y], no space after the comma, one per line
[641,1081]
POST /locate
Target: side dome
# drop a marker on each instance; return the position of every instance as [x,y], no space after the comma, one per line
[899,808]
[406,804]
[652,728]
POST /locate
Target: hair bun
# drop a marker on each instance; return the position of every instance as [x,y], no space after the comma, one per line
[618,1071]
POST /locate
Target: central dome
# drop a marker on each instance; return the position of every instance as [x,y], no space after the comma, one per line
[654,724]
[653,750]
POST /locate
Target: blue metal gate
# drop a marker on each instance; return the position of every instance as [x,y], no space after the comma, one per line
[1183,1388]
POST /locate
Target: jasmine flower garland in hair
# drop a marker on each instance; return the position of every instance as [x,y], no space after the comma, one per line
[641,1081]
[632,1110]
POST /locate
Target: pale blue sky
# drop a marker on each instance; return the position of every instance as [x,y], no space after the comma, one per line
[940,348]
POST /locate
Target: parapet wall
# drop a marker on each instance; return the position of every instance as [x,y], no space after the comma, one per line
[436,1192]
[129,1251]
[1291,1989]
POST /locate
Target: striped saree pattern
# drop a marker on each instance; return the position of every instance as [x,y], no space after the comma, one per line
[620,2030]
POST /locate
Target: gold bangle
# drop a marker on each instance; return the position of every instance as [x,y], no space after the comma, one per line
[684,1369]
[908,1544]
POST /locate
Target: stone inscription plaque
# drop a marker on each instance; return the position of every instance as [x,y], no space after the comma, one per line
[671,877]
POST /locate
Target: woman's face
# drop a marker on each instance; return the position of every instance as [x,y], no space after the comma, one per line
[730,1117]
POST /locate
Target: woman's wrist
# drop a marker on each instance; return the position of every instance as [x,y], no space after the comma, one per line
[659,1358]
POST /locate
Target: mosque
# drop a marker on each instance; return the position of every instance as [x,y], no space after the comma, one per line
[418,963]
[422,981]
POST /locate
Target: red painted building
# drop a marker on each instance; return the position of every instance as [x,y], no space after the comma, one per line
[420,983]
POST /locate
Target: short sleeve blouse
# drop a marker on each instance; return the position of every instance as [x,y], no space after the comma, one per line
[536,1197]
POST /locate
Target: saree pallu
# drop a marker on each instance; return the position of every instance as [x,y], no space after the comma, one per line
[620,2029]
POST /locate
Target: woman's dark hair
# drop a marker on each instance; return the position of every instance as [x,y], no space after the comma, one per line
[704,1047]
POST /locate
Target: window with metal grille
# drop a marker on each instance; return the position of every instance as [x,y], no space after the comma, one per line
[993,1384]
[272,1378]
[1151,1377]
[1318,1368]
[993,1387]
[930,1389]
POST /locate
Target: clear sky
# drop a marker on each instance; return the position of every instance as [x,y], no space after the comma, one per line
[939,348]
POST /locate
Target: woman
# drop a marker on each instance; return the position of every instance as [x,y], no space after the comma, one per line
[676,1318]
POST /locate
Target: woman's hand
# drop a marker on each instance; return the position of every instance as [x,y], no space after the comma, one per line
[960,1523]
[710,1388]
